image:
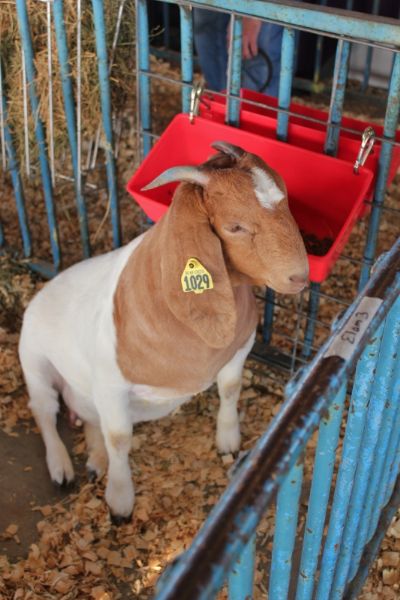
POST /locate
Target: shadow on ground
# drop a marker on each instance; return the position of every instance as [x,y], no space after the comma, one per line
[24,484]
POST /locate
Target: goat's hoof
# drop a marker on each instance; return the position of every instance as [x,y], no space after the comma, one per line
[65,484]
[119,520]
[92,475]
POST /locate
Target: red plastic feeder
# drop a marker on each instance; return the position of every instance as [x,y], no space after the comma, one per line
[325,195]
[302,131]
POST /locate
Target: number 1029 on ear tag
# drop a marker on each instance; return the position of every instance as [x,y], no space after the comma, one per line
[195,278]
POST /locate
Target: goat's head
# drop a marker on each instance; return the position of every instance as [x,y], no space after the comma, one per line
[247,207]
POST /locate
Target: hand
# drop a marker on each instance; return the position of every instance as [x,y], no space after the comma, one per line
[251,29]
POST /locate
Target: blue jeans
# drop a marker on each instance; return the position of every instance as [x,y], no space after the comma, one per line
[210,37]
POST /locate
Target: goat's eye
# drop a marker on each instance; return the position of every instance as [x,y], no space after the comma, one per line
[235,228]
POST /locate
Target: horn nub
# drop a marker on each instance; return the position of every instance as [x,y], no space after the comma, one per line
[227,148]
[190,174]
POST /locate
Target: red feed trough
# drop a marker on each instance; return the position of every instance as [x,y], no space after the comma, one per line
[307,127]
[325,195]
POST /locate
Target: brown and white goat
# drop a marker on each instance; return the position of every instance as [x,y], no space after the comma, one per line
[122,341]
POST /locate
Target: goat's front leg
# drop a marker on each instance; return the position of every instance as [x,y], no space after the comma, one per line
[116,426]
[229,381]
[98,459]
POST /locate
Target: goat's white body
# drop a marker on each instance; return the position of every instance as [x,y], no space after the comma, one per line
[68,346]
[69,334]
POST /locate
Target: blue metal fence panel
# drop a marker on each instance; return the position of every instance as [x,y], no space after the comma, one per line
[367,458]
[201,570]
[23,22]
[328,438]
[391,121]
[385,486]
[351,448]
[386,396]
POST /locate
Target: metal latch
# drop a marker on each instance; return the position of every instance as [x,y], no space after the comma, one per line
[367,142]
[195,97]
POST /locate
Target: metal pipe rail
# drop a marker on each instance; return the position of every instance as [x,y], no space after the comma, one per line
[377,30]
[367,335]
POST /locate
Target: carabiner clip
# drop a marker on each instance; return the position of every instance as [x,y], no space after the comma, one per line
[367,143]
[195,97]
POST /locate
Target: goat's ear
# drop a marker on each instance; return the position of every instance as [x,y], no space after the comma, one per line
[188,234]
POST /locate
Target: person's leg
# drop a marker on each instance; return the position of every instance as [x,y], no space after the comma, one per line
[210,37]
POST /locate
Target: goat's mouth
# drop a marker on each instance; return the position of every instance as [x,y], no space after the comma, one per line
[290,288]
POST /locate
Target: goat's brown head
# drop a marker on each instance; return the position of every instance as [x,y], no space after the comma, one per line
[246,205]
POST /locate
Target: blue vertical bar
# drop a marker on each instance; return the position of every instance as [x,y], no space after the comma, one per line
[392,368]
[351,447]
[389,132]
[337,97]
[313,305]
[287,511]
[385,488]
[143,62]
[282,126]
[234,71]
[23,23]
[285,82]
[69,108]
[268,315]
[394,469]
[240,580]
[328,437]
[186,54]
[366,463]
[318,53]
[371,551]
[16,181]
[105,97]
[370,49]
[367,69]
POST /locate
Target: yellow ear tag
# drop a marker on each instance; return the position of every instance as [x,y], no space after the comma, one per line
[195,278]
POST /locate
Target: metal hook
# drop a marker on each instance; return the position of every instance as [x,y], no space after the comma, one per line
[367,142]
[195,97]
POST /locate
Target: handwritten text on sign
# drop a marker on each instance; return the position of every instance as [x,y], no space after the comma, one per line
[349,335]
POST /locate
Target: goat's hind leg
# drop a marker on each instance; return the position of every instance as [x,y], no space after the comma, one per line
[44,405]
[229,381]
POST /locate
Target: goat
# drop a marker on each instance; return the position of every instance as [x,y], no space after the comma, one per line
[131,335]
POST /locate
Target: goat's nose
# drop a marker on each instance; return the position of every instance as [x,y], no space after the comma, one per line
[300,279]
